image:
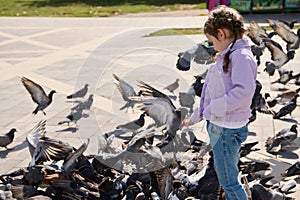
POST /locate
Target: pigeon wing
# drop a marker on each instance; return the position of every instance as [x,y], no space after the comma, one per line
[276,53]
[159,109]
[49,149]
[283,31]
[37,132]
[37,93]
[124,88]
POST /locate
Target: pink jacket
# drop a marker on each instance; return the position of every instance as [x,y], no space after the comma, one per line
[227,96]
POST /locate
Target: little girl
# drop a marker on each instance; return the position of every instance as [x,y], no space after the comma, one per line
[226,96]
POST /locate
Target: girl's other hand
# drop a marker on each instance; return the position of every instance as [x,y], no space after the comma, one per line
[187,122]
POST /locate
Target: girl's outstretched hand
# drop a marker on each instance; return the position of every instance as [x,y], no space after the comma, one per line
[187,122]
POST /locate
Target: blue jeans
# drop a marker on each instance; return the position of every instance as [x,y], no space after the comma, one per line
[226,144]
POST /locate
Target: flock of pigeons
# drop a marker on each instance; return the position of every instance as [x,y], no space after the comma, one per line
[160,160]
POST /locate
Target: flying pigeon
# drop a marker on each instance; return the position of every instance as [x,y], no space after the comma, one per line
[133,125]
[202,53]
[36,133]
[38,95]
[285,32]
[127,91]
[287,95]
[278,56]
[7,138]
[173,86]
[80,93]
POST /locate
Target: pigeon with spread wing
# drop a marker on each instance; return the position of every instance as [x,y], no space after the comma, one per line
[38,95]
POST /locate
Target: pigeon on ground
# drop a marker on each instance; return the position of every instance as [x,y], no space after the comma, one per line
[285,32]
[284,78]
[246,148]
[270,101]
[7,138]
[80,93]
[292,170]
[164,180]
[287,109]
[282,138]
[38,95]
[287,95]
[133,125]
[127,91]
[173,86]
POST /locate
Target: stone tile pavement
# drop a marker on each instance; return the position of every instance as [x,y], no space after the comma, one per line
[65,53]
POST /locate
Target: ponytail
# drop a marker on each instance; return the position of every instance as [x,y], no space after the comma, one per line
[226,57]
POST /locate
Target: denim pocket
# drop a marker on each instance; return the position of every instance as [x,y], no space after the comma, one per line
[239,136]
[214,132]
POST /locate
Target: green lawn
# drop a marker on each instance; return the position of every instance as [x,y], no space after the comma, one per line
[91,8]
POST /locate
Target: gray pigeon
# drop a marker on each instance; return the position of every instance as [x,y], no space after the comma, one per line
[38,95]
[80,93]
[36,133]
[285,32]
[278,56]
[7,138]
[293,170]
[127,91]
[133,125]
[173,86]
[287,109]
[163,113]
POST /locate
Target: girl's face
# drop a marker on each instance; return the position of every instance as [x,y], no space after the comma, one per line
[222,41]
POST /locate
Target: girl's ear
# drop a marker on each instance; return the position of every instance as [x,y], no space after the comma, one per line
[221,34]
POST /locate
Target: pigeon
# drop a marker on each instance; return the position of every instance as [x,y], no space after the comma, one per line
[292,170]
[80,93]
[257,33]
[289,134]
[287,109]
[126,91]
[284,78]
[202,53]
[7,138]
[163,113]
[133,125]
[38,95]
[173,86]
[285,32]
[187,100]
[48,149]
[270,101]
[287,95]
[164,180]
[282,138]
[278,56]
[253,166]
[246,148]
[36,133]
[147,90]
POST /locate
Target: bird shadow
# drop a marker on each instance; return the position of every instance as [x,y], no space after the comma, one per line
[3,154]
[290,120]
[251,133]
[74,101]
[279,89]
[287,154]
[69,129]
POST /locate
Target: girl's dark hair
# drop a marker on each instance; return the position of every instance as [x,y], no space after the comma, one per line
[224,17]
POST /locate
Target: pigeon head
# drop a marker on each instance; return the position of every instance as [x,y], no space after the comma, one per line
[86,85]
[291,54]
[11,133]
[294,128]
[270,68]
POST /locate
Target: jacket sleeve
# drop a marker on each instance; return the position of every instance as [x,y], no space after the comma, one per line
[243,76]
